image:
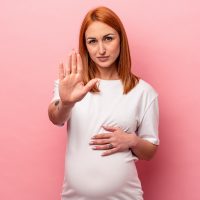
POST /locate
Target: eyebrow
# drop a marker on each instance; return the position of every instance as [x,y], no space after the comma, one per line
[103,36]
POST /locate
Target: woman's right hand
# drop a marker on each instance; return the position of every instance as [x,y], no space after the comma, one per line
[71,86]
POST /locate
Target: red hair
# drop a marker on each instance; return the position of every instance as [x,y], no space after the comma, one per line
[107,16]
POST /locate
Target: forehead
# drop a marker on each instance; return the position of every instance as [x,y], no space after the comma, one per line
[97,29]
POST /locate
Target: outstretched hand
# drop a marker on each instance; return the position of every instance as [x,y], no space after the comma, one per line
[71,86]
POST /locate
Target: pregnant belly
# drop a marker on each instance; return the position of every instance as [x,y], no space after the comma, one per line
[96,176]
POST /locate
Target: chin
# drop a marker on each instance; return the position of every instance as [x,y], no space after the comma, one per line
[104,65]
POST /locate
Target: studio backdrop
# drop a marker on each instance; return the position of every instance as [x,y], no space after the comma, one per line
[36,35]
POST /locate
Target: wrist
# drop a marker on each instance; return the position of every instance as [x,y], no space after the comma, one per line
[65,105]
[134,140]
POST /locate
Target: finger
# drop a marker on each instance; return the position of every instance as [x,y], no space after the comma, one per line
[68,65]
[90,85]
[102,136]
[110,128]
[100,141]
[61,71]
[109,152]
[73,66]
[102,147]
[79,64]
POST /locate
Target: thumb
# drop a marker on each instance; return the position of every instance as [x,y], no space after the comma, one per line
[90,84]
[109,128]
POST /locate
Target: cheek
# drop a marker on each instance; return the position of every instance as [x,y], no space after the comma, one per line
[91,51]
[116,49]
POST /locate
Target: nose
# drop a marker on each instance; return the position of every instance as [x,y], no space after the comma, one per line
[102,49]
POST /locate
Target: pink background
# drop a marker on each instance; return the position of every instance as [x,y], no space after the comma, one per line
[36,35]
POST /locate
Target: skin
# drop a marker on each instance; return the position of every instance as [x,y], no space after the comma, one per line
[121,141]
[101,40]
[71,89]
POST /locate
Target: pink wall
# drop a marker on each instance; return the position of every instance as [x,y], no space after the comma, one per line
[165,46]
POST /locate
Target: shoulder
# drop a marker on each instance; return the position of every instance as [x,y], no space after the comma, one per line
[144,92]
[147,88]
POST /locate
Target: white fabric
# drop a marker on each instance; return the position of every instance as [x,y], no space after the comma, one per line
[88,175]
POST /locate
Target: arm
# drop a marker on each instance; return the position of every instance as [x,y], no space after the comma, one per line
[143,149]
[58,112]
[146,139]
[69,90]
[121,141]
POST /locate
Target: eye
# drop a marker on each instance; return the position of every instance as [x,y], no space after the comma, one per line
[108,38]
[91,41]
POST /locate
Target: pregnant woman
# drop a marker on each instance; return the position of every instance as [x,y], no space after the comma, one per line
[111,114]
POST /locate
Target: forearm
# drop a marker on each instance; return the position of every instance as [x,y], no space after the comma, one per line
[143,149]
[59,113]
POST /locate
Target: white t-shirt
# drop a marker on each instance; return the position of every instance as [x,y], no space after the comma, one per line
[88,175]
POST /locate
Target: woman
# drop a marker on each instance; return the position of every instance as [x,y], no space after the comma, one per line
[111,114]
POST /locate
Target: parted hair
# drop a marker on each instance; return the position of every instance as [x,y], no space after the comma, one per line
[123,62]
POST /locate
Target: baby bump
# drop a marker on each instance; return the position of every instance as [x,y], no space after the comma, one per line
[96,176]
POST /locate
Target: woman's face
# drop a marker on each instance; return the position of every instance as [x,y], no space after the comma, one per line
[103,44]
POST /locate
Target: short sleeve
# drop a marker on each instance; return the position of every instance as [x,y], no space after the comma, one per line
[56,95]
[148,128]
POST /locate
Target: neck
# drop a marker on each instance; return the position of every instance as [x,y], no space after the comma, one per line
[107,73]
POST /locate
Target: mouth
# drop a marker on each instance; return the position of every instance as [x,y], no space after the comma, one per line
[103,58]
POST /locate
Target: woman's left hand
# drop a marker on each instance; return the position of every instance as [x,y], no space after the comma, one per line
[115,141]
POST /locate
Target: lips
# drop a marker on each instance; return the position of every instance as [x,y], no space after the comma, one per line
[103,58]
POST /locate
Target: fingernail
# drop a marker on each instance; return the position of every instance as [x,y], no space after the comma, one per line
[94,147]
[91,142]
[98,82]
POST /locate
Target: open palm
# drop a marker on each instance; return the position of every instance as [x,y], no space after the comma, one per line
[71,86]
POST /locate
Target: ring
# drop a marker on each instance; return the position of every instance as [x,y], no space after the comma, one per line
[110,146]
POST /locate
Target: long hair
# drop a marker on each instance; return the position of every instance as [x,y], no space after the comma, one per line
[107,16]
